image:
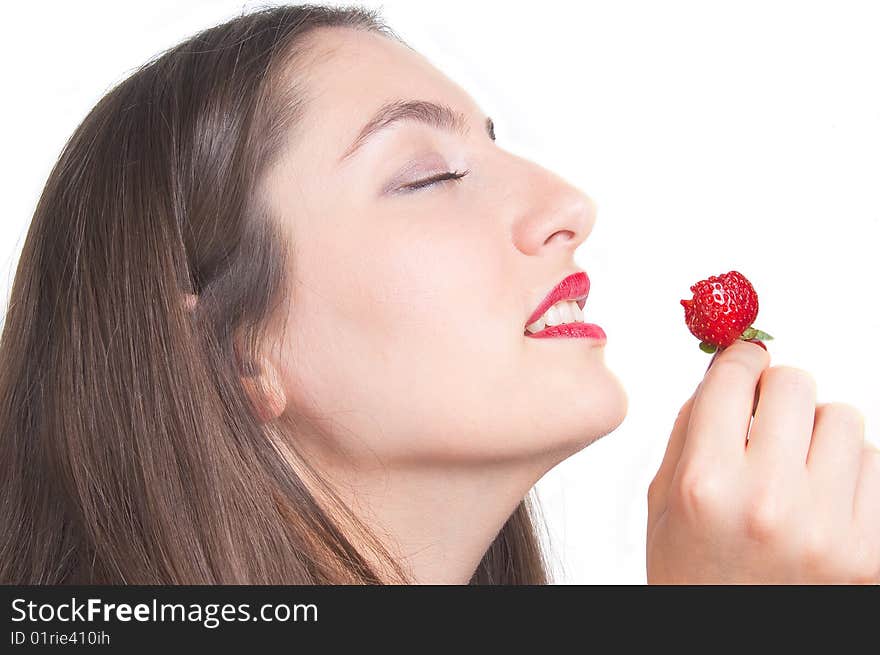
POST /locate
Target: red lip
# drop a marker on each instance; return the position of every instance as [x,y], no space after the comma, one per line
[574,287]
[572,330]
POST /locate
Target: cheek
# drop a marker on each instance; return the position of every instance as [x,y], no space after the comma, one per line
[408,345]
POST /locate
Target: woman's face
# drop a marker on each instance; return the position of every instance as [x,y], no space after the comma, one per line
[405,336]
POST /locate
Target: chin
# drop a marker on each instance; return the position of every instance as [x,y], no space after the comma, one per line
[539,424]
[603,413]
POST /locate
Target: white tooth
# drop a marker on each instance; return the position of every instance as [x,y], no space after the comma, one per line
[565,310]
[578,313]
[537,326]
[553,316]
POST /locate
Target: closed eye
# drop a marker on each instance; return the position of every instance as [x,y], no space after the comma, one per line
[452,176]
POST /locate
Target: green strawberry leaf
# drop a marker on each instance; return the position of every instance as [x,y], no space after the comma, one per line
[707,347]
[754,333]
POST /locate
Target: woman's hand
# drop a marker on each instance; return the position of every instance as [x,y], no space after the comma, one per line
[798,502]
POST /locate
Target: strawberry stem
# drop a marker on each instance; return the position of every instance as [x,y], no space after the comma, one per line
[707,347]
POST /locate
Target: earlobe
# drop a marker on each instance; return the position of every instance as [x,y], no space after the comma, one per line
[270,401]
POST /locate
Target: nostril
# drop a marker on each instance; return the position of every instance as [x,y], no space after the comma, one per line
[566,235]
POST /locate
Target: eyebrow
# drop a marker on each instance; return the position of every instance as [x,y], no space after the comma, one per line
[421,111]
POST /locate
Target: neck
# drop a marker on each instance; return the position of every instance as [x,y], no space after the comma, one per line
[439,522]
[436,520]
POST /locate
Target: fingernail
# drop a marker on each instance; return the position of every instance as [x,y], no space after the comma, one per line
[758,342]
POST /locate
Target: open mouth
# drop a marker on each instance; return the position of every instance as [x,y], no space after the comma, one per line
[564,312]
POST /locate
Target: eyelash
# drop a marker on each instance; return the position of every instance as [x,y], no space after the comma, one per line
[453,176]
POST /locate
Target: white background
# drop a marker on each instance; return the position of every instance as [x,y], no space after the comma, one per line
[713,136]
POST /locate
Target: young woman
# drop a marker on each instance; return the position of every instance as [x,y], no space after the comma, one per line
[269,326]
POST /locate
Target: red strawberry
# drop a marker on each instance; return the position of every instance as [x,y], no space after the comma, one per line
[722,311]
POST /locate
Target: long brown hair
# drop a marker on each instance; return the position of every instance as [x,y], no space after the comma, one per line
[129,448]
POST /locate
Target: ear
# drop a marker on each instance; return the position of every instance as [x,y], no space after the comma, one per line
[262,384]
[270,401]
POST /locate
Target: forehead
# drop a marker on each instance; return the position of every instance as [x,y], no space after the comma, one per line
[347,74]
[350,62]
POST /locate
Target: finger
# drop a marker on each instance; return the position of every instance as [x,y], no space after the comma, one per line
[836,452]
[721,412]
[761,344]
[758,388]
[660,484]
[783,425]
[712,361]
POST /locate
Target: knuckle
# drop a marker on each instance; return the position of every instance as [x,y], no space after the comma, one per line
[763,519]
[733,367]
[843,415]
[817,548]
[791,379]
[697,493]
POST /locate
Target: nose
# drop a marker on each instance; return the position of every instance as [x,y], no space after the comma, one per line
[550,214]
